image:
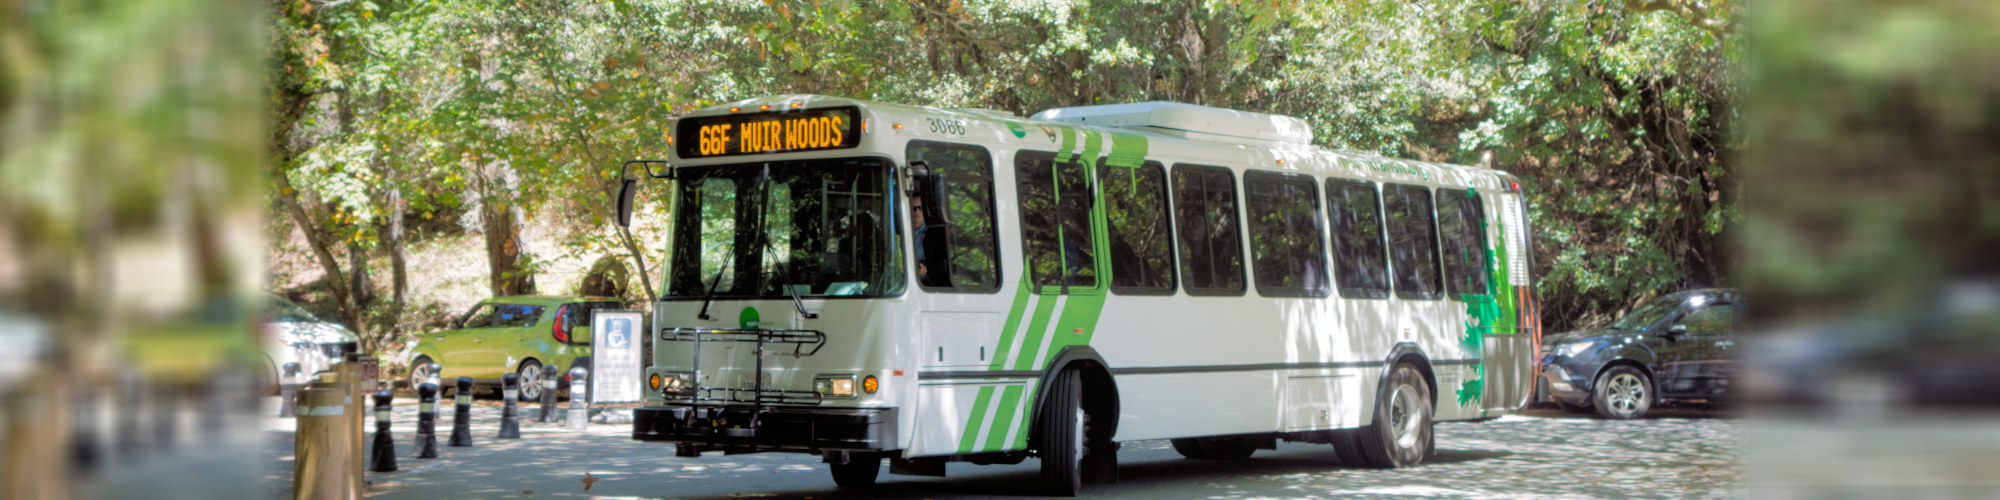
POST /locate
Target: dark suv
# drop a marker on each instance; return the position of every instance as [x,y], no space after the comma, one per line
[1678,346]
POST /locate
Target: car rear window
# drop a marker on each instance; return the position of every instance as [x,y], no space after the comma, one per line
[578,314]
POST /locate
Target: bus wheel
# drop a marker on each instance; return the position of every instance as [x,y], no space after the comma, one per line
[1190,448]
[1062,447]
[1401,433]
[1215,448]
[858,472]
[1347,445]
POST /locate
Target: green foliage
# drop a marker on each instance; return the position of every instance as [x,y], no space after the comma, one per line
[1617,115]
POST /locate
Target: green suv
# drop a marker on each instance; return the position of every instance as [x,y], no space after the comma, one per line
[505,335]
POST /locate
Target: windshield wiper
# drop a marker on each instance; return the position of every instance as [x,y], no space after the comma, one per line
[710,296]
[763,190]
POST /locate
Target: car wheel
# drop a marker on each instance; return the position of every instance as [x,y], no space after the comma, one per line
[531,380]
[1400,436]
[420,373]
[858,472]
[1623,392]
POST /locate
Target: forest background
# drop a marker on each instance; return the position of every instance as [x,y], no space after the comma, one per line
[151,150]
[410,140]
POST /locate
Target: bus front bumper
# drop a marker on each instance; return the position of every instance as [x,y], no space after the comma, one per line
[744,429]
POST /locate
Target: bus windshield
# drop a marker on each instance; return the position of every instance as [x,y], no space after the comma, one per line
[774,229]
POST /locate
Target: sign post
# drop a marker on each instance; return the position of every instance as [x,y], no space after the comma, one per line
[616,346]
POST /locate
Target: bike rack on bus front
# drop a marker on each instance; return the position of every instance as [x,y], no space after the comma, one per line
[758,395]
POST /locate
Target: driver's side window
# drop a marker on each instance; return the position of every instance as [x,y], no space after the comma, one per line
[480,317]
[1710,320]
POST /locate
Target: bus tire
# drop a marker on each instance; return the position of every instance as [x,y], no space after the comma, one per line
[1400,436]
[1347,446]
[858,472]
[1063,438]
[1228,448]
[1189,447]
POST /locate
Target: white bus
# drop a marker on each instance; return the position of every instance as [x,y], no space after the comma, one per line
[867,281]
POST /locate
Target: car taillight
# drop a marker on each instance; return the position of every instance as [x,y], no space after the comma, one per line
[561,331]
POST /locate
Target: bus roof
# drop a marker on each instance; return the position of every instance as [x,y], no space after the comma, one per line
[1170,126]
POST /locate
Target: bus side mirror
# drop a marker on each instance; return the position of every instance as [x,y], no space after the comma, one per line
[934,198]
[626,187]
[929,186]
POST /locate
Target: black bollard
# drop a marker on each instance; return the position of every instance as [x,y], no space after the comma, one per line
[83,435]
[166,415]
[461,418]
[288,391]
[548,394]
[126,414]
[382,458]
[427,416]
[510,425]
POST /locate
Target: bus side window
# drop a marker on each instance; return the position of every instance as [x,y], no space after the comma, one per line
[1412,241]
[1461,223]
[1211,245]
[1055,221]
[1360,257]
[1286,250]
[971,240]
[1135,213]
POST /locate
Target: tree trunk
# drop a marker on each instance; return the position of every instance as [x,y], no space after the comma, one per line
[358,285]
[503,250]
[399,275]
[322,250]
[624,233]
[501,219]
[639,259]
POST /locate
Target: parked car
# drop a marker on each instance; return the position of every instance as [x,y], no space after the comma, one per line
[293,335]
[519,334]
[1678,346]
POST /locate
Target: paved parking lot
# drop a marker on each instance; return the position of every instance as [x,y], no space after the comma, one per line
[1543,453]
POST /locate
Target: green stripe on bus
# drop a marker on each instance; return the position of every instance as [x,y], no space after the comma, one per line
[971,434]
[1010,402]
[1038,328]
[1080,311]
[1021,431]
[1014,315]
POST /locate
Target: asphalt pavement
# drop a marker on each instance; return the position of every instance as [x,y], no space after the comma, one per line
[1681,452]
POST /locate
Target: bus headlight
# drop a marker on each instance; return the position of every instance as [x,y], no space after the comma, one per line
[834,386]
[671,384]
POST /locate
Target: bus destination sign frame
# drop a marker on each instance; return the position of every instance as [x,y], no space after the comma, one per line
[786,131]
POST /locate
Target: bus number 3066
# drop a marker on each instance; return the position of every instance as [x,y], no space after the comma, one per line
[946,126]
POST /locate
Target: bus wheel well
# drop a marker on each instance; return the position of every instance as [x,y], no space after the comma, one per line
[1099,392]
[1423,365]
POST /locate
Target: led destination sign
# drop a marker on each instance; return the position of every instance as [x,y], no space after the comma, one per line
[773,132]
